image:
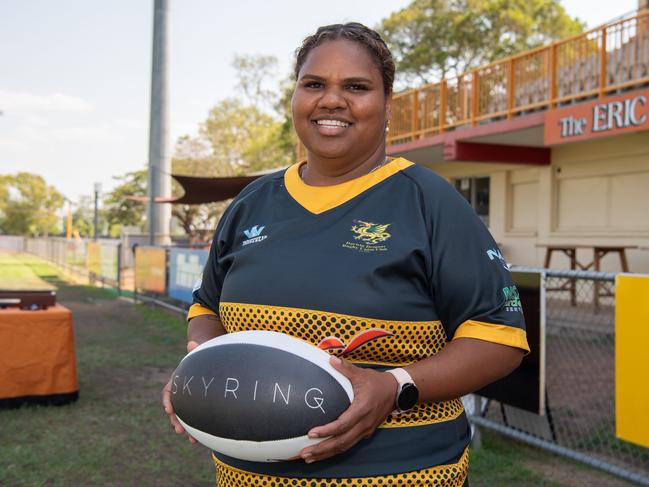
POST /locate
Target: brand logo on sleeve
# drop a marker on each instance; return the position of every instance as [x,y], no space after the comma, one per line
[368,235]
[254,235]
[494,254]
[512,300]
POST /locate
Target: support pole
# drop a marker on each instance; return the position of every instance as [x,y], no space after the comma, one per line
[159,215]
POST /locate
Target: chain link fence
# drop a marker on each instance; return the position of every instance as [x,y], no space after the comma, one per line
[580,380]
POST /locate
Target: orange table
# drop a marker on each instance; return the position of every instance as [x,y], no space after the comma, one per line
[37,358]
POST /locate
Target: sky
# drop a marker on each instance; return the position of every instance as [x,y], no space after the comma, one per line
[75,74]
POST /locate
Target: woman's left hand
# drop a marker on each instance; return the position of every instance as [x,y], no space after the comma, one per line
[374,399]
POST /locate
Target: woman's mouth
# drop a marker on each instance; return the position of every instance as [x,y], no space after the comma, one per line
[331,127]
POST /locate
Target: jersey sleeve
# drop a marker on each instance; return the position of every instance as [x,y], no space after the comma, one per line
[207,292]
[472,287]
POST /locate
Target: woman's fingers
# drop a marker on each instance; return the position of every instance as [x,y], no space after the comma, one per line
[373,400]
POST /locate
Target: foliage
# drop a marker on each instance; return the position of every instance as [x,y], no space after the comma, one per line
[193,158]
[434,39]
[28,205]
[253,75]
[244,138]
[118,209]
[241,135]
[83,217]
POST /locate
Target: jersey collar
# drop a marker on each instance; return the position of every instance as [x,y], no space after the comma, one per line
[318,199]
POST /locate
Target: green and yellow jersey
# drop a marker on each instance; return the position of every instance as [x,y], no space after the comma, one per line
[383,270]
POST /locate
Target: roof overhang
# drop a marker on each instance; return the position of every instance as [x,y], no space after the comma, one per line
[518,140]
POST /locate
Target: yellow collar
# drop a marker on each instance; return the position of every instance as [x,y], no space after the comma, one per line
[318,199]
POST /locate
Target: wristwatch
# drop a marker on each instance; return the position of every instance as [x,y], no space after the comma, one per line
[407,392]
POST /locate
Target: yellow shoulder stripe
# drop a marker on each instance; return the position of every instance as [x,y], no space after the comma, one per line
[492,332]
[198,310]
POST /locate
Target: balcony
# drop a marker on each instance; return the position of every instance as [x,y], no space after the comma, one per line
[605,60]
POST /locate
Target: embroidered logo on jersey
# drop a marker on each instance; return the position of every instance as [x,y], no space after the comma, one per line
[254,235]
[369,234]
[512,300]
[334,344]
[494,254]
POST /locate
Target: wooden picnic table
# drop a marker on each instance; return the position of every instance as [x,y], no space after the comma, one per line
[599,252]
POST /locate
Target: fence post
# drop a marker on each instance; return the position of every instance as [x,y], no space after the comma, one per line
[510,88]
[415,114]
[475,88]
[442,105]
[553,76]
[119,269]
[602,65]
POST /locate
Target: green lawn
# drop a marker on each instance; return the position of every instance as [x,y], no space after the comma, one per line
[117,433]
[22,272]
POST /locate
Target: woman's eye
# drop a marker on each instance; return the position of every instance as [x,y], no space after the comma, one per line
[357,87]
[313,84]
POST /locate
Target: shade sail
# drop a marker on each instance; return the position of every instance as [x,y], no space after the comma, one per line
[204,190]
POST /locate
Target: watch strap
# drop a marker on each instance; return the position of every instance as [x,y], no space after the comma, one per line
[403,378]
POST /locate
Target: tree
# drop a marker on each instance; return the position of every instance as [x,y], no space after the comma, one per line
[253,74]
[435,39]
[118,209]
[83,217]
[28,205]
[244,138]
[241,135]
[193,157]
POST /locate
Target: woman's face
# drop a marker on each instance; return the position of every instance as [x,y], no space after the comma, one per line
[339,108]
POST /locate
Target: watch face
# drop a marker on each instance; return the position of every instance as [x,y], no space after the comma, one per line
[408,397]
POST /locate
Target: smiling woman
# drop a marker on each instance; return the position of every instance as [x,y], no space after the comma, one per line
[378,261]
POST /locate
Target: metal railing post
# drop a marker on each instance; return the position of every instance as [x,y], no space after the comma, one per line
[602,65]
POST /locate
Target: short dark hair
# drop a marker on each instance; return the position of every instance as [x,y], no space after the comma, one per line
[356,32]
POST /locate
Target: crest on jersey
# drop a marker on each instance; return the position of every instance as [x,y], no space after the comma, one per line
[370,233]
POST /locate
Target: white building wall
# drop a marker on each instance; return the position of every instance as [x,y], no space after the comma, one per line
[593,193]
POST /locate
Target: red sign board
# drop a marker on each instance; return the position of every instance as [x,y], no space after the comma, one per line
[613,115]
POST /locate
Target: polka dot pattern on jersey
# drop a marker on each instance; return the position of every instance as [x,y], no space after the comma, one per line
[362,340]
[451,475]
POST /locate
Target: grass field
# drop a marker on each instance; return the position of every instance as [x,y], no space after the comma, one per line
[117,433]
[22,273]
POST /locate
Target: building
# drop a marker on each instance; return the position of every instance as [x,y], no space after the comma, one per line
[551,146]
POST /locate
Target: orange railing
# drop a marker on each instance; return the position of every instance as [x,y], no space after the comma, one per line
[606,59]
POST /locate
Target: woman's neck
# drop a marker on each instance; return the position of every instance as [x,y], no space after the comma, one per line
[327,172]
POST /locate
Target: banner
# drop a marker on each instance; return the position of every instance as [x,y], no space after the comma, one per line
[108,267]
[525,387]
[185,269]
[93,258]
[150,269]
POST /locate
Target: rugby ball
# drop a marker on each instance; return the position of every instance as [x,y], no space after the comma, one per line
[254,395]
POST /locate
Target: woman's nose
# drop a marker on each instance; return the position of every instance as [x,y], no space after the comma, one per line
[332,99]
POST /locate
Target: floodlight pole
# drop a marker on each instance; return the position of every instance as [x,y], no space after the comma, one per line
[159,215]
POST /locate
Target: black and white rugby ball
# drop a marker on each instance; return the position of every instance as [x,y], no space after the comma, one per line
[254,395]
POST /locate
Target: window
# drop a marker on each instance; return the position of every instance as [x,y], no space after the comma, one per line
[476,192]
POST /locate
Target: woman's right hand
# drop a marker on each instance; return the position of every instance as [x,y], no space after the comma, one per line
[168,407]
[200,329]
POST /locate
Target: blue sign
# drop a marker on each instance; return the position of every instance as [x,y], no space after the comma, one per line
[185,270]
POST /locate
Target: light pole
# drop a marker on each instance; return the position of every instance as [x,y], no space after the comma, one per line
[159,215]
[97,191]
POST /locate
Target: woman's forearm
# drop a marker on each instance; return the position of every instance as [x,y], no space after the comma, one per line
[203,328]
[464,366]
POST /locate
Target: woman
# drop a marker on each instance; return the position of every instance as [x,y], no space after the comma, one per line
[351,241]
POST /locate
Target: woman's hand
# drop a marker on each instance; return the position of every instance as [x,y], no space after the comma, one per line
[166,401]
[374,399]
[200,329]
